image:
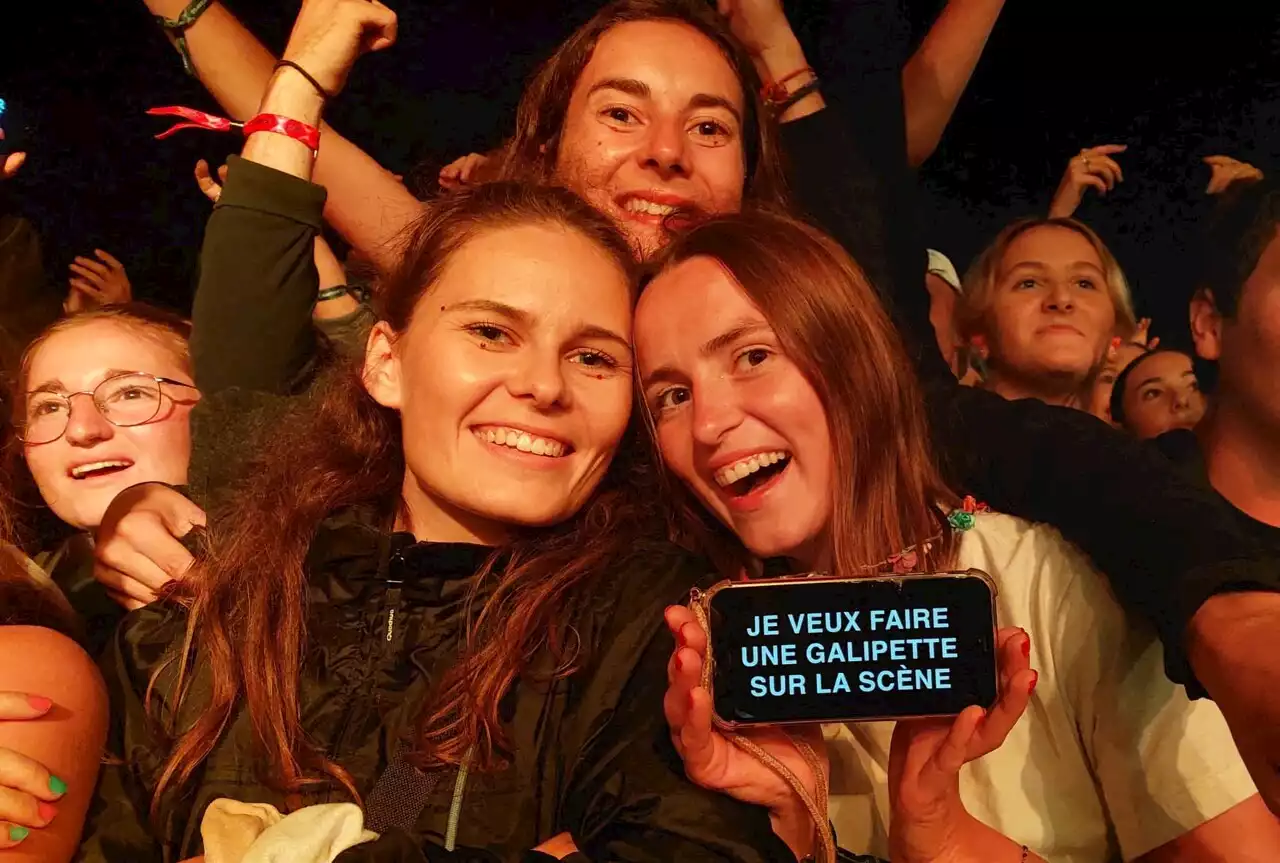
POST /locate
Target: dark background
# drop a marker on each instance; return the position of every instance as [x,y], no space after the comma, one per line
[1056,76]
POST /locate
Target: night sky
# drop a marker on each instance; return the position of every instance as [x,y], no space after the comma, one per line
[1056,76]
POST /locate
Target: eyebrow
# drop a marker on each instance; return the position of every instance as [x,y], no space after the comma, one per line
[520,316]
[56,386]
[743,327]
[640,90]
[1038,265]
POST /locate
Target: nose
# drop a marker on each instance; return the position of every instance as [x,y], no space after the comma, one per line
[540,378]
[86,425]
[665,150]
[715,413]
[1058,298]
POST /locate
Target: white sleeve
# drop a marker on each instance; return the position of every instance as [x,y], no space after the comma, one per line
[1164,764]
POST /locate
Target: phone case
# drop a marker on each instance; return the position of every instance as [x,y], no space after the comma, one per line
[700,602]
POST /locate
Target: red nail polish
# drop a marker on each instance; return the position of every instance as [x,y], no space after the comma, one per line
[47,811]
[39,702]
[1026,647]
[689,700]
[1035,678]
[679,663]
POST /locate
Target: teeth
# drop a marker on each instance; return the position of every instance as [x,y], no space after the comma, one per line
[730,474]
[522,441]
[84,469]
[652,208]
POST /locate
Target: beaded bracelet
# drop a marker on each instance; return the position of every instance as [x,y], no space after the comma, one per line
[176,29]
[333,293]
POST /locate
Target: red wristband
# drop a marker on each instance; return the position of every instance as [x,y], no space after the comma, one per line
[281,125]
[276,123]
[777,91]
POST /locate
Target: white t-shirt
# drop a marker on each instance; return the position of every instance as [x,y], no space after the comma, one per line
[1110,759]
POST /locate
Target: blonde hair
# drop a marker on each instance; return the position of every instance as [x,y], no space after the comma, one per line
[980,280]
[172,332]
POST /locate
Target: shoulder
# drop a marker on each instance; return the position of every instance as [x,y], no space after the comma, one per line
[51,665]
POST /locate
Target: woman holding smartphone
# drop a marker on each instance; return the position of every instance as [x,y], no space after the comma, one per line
[782,401]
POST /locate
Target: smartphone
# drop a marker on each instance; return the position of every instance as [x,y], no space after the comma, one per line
[818,649]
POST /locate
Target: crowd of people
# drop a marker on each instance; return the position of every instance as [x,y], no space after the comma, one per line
[387,555]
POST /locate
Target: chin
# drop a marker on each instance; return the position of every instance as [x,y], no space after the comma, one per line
[767,542]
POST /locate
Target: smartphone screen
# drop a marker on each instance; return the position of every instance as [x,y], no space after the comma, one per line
[824,650]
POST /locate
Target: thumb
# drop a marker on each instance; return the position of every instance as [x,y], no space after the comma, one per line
[20,705]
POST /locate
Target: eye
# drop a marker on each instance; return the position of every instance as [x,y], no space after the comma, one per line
[671,398]
[1195,386]
[750,358]
[489,332]
[594,359]
[618,115]
[46,407]
[712,130]
[1151,394]
[1087,284]
[1025,284]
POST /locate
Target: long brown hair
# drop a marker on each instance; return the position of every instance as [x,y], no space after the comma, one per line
[247,621]
[831,324]
[533,150]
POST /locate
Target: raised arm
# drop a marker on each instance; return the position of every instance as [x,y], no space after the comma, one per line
[368,206]
[935,77]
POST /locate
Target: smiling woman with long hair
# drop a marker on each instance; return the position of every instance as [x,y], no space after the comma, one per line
[760,336]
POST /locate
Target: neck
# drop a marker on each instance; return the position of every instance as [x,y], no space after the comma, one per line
[1243,461]
[432,519]
[1066,390]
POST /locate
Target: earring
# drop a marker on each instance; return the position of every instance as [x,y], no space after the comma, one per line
[979,344]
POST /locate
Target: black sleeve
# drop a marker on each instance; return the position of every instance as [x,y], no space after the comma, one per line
[252,315]
[1165,543]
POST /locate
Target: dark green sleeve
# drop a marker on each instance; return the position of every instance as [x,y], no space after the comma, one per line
[117,826]
[252,316]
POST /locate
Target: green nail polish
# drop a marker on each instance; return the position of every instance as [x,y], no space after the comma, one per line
[57,786]
[17,834]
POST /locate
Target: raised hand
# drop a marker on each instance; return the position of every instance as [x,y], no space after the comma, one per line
[1092,167]
[9,164]
[211,188]
[97,283]
[1225,171]
[463,171]
[28,792]
[929,820]
[712,761]
[329,35]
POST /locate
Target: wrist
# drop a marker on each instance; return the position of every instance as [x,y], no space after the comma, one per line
[291,95]
[791,823]
[779,58]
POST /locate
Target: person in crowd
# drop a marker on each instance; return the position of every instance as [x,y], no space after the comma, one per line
[1043,302]
[1155,393]
[53,713]
[102,402]
[733,342]
[1120,353]
[478,512]
[1012,453]
[26,306]
[100,282]
[1236,330]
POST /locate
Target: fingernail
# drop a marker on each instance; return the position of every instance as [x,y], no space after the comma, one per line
[17,834]
[684,642]
[1035,678]
[47,811]
[689,699]
[1026,646]
[679,663]
[57,786]
[39,702]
